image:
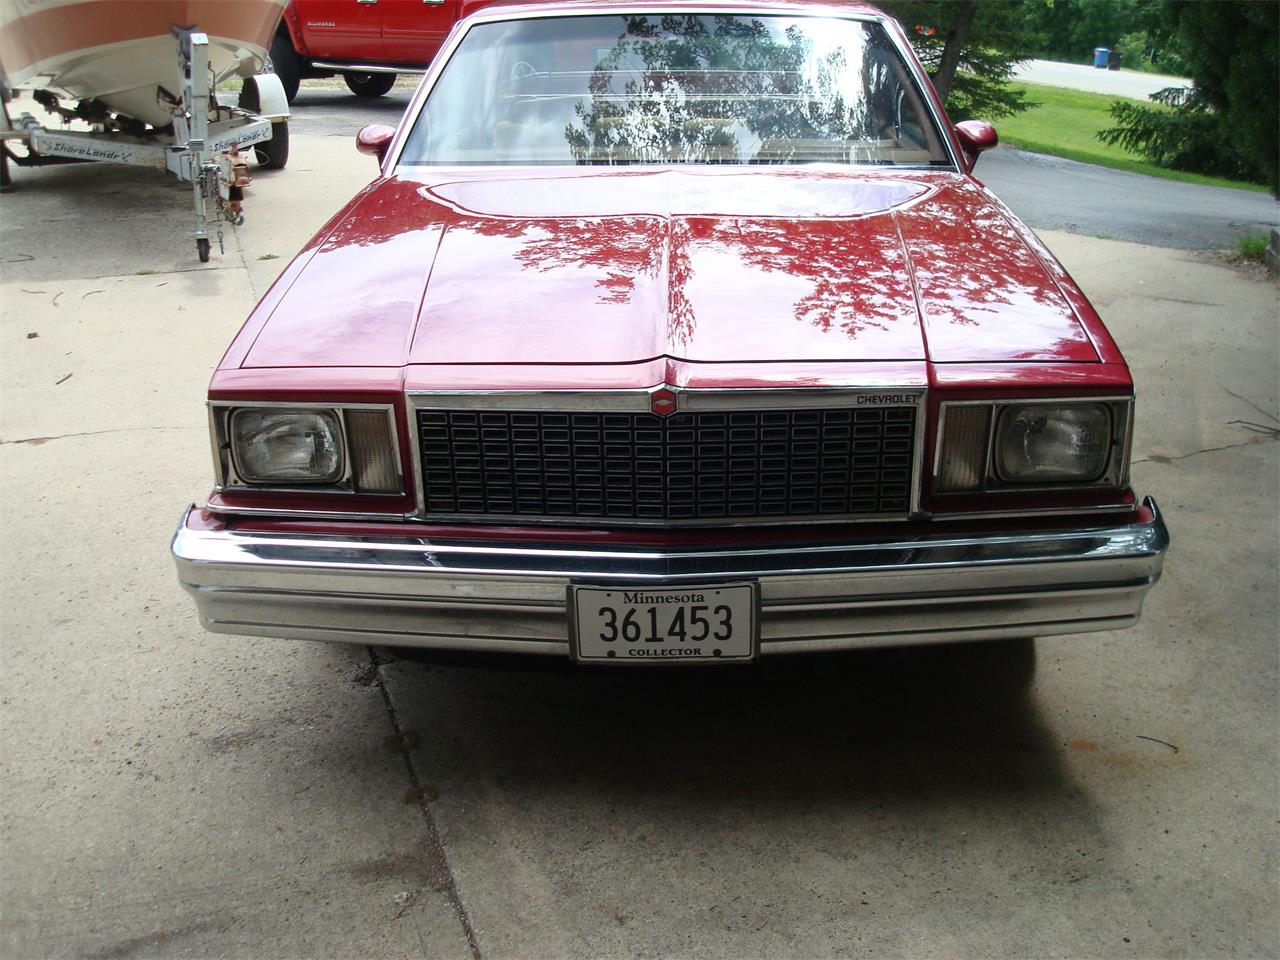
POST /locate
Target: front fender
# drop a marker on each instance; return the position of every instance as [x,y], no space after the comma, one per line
[293,27]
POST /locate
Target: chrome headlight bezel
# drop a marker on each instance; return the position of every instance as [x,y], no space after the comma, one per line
[977,468]
[366,436]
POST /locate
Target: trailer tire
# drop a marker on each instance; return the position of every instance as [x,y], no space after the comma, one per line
[286,64]
[6,179]
[369,84]
[274,153]
[202,249]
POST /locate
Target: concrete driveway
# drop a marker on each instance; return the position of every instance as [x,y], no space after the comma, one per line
[168,792]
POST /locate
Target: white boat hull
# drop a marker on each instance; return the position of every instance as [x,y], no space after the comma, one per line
[121,52]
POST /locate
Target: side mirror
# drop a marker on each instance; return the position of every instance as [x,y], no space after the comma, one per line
[375,139]
[976,136]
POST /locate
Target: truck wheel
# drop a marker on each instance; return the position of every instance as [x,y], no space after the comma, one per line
[202,249]
[6,179]
[369,84]
[286,65]
[274,154]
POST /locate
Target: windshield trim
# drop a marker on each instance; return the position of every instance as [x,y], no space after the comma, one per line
[497,15]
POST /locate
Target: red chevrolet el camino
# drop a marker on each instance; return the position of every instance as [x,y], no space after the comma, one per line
[672,331]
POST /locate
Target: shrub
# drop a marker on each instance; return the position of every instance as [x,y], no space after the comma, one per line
[1144,52]
[1253,247]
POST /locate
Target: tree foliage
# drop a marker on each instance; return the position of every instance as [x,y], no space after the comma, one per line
[1142,51]
[1070,29]
[1230,123]
[970,49]
[1182,138]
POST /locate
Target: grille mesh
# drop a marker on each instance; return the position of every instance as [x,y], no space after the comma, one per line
[689,466]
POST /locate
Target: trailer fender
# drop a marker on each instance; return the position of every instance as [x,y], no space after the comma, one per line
[271,101]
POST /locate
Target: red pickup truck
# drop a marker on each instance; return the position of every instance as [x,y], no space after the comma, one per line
[367,41]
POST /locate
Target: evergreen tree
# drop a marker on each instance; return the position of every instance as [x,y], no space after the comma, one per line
[1230,123]
[970,49]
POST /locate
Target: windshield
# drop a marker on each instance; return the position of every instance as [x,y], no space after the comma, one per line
[675,88]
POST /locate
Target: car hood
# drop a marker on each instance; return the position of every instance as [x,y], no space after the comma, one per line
[705,266]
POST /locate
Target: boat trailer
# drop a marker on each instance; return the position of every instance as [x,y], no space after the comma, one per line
[203,147]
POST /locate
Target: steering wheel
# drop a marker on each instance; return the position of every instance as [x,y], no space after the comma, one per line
[517,73]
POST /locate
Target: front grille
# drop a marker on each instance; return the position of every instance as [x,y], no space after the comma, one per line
[778,464]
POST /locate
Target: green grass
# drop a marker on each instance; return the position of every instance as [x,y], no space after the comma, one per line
[1066,124]
[1254,246]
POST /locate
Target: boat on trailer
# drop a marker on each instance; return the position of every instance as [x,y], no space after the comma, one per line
[143,76]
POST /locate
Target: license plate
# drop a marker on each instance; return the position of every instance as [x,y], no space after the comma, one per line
[644,625]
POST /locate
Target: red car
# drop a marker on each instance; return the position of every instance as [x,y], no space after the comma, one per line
[672,331]
[366,41]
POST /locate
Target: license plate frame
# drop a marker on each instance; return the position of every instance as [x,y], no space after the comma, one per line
[741,597]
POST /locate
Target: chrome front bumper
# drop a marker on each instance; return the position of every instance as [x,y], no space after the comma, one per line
[513,598]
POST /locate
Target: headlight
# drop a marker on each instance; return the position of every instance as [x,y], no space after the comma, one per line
[1022,444]
[1045,443]
[287,446]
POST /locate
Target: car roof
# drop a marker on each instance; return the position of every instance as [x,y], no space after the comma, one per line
[552,7]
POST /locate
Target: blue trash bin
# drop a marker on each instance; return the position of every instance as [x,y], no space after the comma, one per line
[1100,57]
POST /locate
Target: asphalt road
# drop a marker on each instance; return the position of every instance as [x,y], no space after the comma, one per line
[327,108]
[1123,83]
[1048,193]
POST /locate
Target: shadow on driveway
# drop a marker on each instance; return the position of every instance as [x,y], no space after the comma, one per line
[907,722]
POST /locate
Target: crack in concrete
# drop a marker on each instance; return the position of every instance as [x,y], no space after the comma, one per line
[152,274]
[1250,403]
[1191,303]
[1155,458]
[434,841]
[244,265]
[36,441]
[1265,432]
[149,942]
